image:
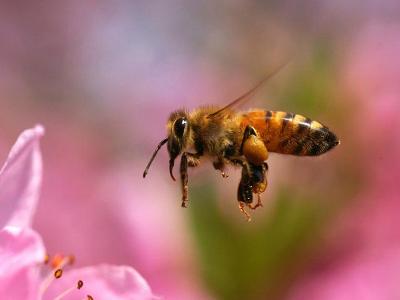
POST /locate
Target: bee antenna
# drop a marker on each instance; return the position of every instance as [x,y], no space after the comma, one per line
[153,156]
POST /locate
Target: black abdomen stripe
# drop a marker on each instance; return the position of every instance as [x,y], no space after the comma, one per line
[297,135]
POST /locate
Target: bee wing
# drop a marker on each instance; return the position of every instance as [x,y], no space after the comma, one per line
[246,96]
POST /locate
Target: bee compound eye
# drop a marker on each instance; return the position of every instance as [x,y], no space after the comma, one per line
[179,126]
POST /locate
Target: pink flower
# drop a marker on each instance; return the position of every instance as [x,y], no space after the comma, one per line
[23,273]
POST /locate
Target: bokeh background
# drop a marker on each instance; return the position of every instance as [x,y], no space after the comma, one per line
[102,77]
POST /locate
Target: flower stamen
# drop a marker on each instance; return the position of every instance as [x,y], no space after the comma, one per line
[46,259]
[78,286]
[57,262]
[48,280]
[58,273]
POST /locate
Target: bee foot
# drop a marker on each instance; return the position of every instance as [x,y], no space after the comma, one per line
[243,211]
[258,204]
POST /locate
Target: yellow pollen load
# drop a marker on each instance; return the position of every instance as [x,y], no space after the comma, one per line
[255,151]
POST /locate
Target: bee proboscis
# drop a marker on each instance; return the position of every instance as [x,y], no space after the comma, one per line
[242,139]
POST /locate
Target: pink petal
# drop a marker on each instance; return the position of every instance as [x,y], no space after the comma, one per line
[20,179]
[369,276]
[103,282]
[21,253]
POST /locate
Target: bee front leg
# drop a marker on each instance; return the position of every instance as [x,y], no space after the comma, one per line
[193,159]
[187,160]
[184,178]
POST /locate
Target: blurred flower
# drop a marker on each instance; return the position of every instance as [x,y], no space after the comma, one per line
[22,253]
[154,232]
[20,179]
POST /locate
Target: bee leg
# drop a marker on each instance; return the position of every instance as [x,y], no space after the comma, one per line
[259,177]
[259,180]
[248,131]
[258,204]
[193,159]
[243,211]
[253,147]
[220,166]
[236,162]
[245,192]
[184,179]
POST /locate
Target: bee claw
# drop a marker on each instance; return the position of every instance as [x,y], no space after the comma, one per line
[243,211]
[258,204]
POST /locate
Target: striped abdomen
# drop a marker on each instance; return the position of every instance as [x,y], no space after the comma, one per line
[290,133]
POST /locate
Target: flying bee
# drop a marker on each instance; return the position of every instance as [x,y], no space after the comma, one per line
[242,139]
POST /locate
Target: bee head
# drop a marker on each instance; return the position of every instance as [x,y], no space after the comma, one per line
[178,131]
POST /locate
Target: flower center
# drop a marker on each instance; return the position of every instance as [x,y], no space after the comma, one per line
[56,265]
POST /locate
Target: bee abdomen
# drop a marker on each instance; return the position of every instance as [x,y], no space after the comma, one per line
[295,134]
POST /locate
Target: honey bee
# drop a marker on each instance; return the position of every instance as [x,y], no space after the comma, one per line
[241,139]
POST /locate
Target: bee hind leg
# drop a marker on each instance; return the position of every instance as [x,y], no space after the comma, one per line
[253,147]
[245,192]
[259,180]
[243,211]
[258,204]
